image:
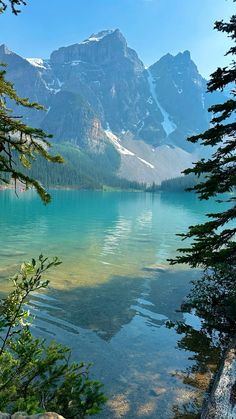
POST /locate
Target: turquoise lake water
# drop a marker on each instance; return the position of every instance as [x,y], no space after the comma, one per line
[112,295]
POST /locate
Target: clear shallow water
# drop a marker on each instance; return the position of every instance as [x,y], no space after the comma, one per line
[110,298]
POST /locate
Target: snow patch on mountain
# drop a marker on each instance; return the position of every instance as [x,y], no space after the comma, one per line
[168,125]
[122,150]
[37,62]
[50,89]
[116,141]
[160,161]
[97,37]
[146,162]
[54,86]
[75,62]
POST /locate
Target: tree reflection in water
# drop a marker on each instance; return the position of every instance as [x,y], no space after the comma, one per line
[212,299]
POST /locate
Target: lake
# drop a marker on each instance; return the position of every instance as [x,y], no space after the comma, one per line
[110,299]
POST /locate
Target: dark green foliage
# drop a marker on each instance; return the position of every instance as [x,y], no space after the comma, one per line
[19,143]
[35,377]
[75,172]
[213,246]
[177,184]
[82,170]
[214,299]
[25,142]
[213,242]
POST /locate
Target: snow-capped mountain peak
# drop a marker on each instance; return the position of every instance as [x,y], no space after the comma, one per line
[98,93]
[96,37]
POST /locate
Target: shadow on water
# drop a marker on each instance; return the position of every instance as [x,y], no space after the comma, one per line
[150,369]
[121,327]
[107,307]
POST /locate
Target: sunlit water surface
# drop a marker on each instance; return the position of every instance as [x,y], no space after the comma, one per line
[112,295]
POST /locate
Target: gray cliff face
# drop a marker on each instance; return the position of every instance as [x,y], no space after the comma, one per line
[98,49]
[98,92]
[109,75]
[106,76]
[27,81]
[182,92]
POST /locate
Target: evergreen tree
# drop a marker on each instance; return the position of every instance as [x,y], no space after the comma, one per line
[213,242]
[20,143]
[213,296]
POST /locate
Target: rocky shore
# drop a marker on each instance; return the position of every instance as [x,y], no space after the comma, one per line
[221,403]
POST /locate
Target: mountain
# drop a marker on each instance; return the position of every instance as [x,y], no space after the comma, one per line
[99,95]
[181,92]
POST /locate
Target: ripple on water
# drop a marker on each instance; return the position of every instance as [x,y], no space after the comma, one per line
[112,295]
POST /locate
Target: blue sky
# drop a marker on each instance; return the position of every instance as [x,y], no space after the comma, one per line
[152,27]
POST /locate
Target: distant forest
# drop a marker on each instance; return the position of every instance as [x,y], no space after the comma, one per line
[83,170]
[178,184]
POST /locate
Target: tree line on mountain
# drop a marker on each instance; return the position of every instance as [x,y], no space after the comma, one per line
[177,184]
[82,170]
[87,172]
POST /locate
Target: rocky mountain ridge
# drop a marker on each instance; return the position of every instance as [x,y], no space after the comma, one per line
[98,93]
